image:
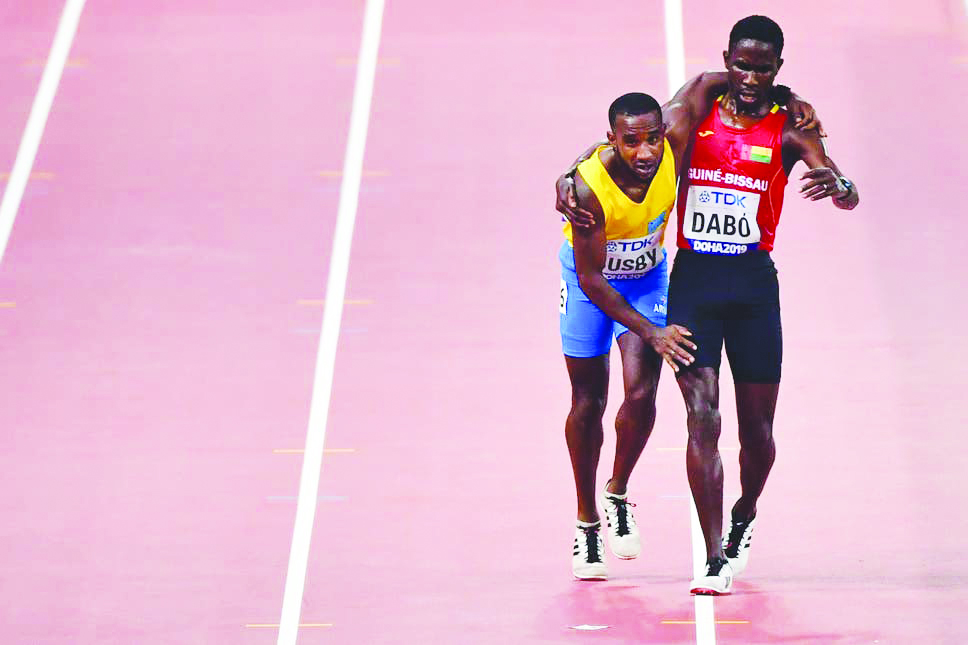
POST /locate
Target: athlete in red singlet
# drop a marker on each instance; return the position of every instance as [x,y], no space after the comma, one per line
[723,286]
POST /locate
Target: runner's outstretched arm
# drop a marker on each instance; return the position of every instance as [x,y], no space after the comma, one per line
[824,178]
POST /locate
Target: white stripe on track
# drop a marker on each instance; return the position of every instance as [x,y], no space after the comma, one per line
[676,74]
[332,316]
[37,121]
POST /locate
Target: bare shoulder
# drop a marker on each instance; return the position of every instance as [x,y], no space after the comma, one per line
[587,199]
[799,136]
[799,142]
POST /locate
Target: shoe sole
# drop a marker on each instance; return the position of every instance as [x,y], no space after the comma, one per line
[591,578]
[704,591]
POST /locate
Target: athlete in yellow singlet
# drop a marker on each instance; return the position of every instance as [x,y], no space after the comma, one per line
[614,281]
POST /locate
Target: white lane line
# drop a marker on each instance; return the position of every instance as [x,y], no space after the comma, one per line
[676,74]
[332,315]
[675,46]
[705,612]
[37,120]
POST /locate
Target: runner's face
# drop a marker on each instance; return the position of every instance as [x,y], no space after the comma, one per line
[638,140]
[752,66]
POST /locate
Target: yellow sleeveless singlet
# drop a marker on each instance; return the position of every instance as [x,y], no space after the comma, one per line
[635,231]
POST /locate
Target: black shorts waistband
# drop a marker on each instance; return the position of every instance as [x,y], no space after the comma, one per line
[750,259]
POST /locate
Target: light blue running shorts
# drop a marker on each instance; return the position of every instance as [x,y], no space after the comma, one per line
[585,329]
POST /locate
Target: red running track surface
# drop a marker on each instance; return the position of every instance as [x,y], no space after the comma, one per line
[166,283]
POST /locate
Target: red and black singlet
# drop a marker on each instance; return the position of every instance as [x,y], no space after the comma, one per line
[731,198]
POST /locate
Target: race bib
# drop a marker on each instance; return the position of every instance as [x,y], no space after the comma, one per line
[721,220]
[632,258]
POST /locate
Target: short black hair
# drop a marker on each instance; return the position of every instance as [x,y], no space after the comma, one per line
[757,28]
[632,104]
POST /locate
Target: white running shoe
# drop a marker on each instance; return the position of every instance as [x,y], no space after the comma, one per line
[588,557]
[623,533]
[736,544]
[718,580]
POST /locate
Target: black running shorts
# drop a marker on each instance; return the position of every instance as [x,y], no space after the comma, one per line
[733,300]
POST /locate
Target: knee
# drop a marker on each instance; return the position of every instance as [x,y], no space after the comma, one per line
[641,398]
[757,435]
[702,414]
[704,424]
[588,406]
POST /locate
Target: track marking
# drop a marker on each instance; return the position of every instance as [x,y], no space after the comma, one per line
[332,174]
[37,121]
[4,176]
[332,314]
[382,62]
[676,74]
[271,625]
[293,498]
[692,622]
[320,303]
[72,62]
[300,451]
[7,305]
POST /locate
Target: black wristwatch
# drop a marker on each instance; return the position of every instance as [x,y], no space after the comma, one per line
[849,185]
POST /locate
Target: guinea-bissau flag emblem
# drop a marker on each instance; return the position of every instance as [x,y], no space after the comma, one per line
[761,154]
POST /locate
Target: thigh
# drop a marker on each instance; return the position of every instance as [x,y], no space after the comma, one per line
[753,333]
[755,407]
[641,366]
[695,302]
[648,295]
[700,389]
[585,329]
[589,378]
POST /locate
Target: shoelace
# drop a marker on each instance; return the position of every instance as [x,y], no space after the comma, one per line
[622,514]
[591,543]
[735,538]
[714,568]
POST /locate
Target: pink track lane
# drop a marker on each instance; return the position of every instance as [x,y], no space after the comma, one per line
[28,31]
[157,354]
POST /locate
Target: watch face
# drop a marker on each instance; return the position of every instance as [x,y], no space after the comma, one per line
[848,185]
